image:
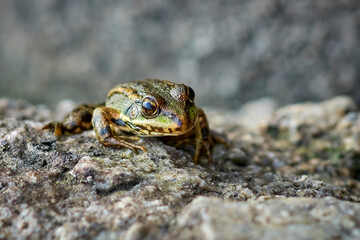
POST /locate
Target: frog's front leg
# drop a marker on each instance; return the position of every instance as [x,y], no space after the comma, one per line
[202,137]
[77,121]
[103,119]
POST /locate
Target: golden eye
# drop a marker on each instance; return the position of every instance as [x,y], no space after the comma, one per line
[149,107]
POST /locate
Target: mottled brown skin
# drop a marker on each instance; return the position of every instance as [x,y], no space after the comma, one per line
[75,122]
[146,108]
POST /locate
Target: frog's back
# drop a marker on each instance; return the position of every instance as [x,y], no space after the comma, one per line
[148,86]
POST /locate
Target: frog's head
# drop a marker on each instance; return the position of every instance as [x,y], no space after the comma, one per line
[165,109]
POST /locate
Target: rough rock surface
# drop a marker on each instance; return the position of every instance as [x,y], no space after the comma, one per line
[268,218]
[295,176]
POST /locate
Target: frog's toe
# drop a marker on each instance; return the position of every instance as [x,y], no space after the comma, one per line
[217,138]
[50,125]
[183,142]
[135,148]
[57,127]
[132,146]
[120,142]
[202,147]
[208,153]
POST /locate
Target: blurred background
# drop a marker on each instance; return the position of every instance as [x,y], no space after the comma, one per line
[229,51]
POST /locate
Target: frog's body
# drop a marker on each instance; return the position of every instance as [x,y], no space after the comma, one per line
[146,108]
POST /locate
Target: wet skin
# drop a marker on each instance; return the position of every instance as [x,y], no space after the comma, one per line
[145,108]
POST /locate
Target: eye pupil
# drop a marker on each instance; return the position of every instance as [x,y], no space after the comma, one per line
[149,107]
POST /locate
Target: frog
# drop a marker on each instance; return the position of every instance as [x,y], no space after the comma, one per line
[142,108]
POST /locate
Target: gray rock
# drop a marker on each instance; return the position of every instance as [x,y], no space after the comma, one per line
[262,186]
[348,129]
[268,218]
[21,110]
[303,120]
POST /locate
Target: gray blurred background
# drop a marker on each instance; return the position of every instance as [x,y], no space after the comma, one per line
[230,52]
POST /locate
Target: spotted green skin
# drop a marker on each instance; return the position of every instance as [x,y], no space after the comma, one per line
[177,113]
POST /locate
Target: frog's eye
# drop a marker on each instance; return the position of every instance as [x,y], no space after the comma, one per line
[149,107]
[191,94]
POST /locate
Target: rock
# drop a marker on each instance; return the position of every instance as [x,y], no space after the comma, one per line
[268,218]
[63,108]
[348,129]
[72,187]
[21,110]
[319,131]
[254,113]
[305,120]
[250,116]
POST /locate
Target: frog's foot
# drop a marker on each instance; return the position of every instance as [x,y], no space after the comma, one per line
[103,119]
[200,145]
[217,138]
[67,128]
[119,143]
[56,126]
[202,137]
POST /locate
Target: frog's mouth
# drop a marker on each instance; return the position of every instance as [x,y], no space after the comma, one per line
[135,129]
[176,125]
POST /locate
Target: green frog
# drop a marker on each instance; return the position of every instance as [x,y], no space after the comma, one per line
[144,108]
